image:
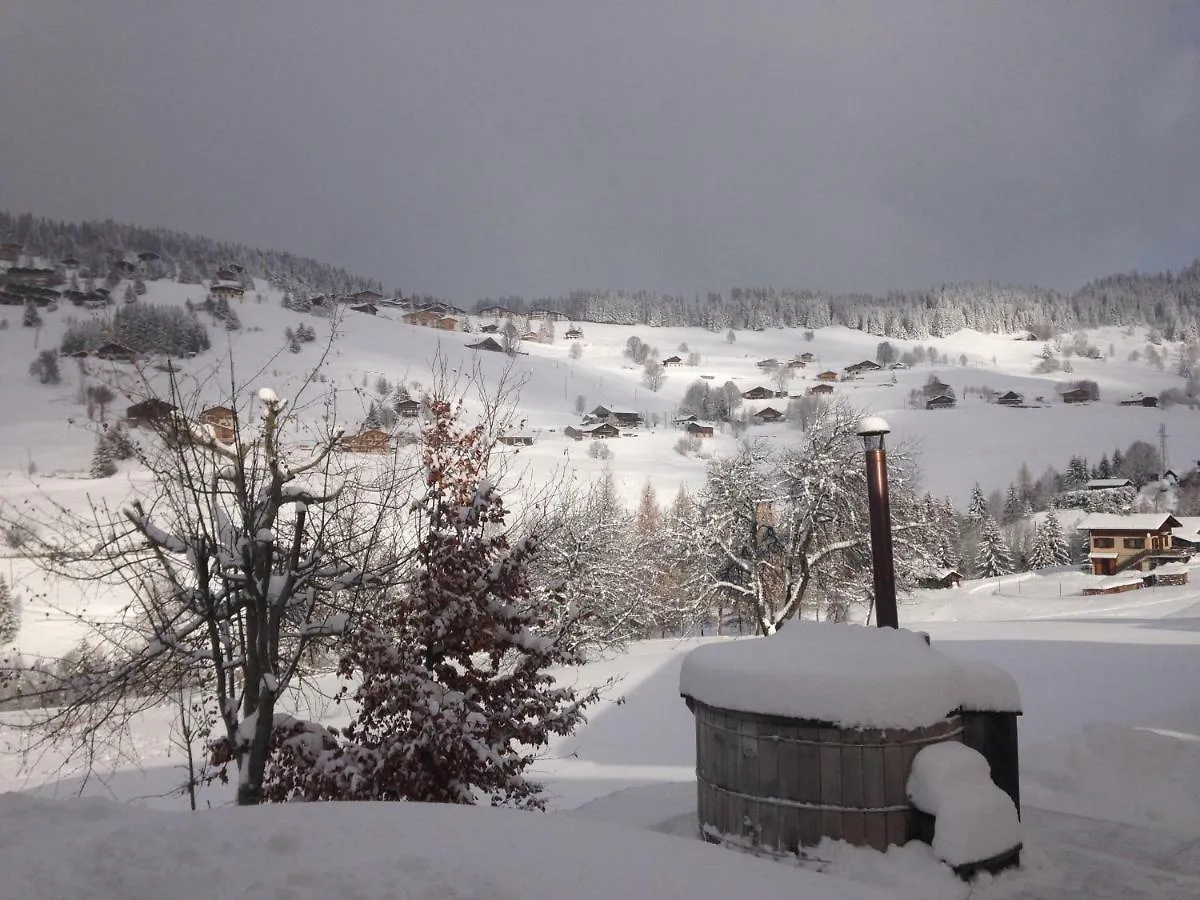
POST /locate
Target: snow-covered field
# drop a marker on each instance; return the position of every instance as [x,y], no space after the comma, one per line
[1110,734]
[1110,745]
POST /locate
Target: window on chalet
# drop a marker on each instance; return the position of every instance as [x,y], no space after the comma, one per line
[1135,543]
[1103,543]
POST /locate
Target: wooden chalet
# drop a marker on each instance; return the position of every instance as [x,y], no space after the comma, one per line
[828,375]
[573,334]
[1186,537]
[627,419]
[373,440]
[149,413]
[1011,398]
[603,431]
[408,409]
[115,352]
[758,393]
[796,364]
[768,414]
[363,297]
[552,314]
[517,439]
[424,317]
[222,420]
[490,329]
[1076,395]
[941,401]
[1140,542]
[771,363]
[695,429]
[227,290]
[488,343]
[821,389]
[1140,400]
[496,312]
[673,361]
[941,578]
[866,365]
[807,356]
[34,277]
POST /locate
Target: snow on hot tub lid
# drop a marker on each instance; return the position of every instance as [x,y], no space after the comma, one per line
[847,675]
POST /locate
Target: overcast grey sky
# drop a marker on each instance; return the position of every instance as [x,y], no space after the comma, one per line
[501,146]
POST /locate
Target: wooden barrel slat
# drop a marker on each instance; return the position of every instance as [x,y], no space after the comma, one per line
[788,783]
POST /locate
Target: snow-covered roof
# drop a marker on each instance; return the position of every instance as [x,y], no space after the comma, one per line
[848,675]
[1136,522]
[1171,569]
[1101,483]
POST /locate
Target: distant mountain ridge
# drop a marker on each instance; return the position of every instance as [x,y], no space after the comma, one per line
[1168,302]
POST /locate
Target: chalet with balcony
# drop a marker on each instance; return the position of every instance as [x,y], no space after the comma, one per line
[673,361]
[1140,542]
[820,390]
[829,375]
[408,409]
[941,401]
[1012,398]
[573,334]
[222,420]
[227,290]
[768,414]
[695,429]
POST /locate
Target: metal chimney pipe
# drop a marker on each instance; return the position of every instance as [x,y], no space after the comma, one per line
[872,430]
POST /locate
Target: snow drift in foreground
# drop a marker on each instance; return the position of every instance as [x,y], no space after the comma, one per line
[354,851]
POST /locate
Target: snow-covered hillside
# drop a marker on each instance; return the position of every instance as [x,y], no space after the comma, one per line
[977,441]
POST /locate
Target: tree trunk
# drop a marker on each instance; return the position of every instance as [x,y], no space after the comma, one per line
[250,780]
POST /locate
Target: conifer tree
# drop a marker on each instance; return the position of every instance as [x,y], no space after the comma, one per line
[993,558]
[10,614]
[455,693]
[103,465]
[1012,505]
[1050,546]
[977,509]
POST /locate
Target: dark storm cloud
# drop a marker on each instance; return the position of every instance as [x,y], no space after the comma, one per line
[471,149]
